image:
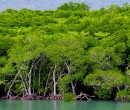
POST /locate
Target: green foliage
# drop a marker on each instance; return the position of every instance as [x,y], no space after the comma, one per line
[1,82]
[74,6]
[62,14]
[104,59]
[128,72]
[18,88]
[123,95]
[90,47]
[63,83]
[105,79]
[69,97]
[102,93]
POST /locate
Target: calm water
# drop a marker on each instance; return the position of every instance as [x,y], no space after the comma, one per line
[60,105]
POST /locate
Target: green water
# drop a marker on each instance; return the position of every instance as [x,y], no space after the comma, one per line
[60,105]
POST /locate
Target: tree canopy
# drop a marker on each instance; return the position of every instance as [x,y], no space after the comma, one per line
[69,50]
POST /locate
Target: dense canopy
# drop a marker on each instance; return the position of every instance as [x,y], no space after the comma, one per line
[69,50]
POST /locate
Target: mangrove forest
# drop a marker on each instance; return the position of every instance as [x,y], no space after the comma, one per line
[71,53]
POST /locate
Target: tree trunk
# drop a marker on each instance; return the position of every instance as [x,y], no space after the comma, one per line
[9,90]
[73,88]
[29,81]
[72,84]
[54,80]
[30,75]
[23,84]
[29,85]
[33,82]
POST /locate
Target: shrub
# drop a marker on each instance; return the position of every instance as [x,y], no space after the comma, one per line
[69,97]
[123,95]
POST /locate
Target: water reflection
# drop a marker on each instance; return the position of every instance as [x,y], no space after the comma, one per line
[55,105]
[61,105]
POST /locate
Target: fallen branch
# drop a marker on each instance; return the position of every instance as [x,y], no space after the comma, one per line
[83,96]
